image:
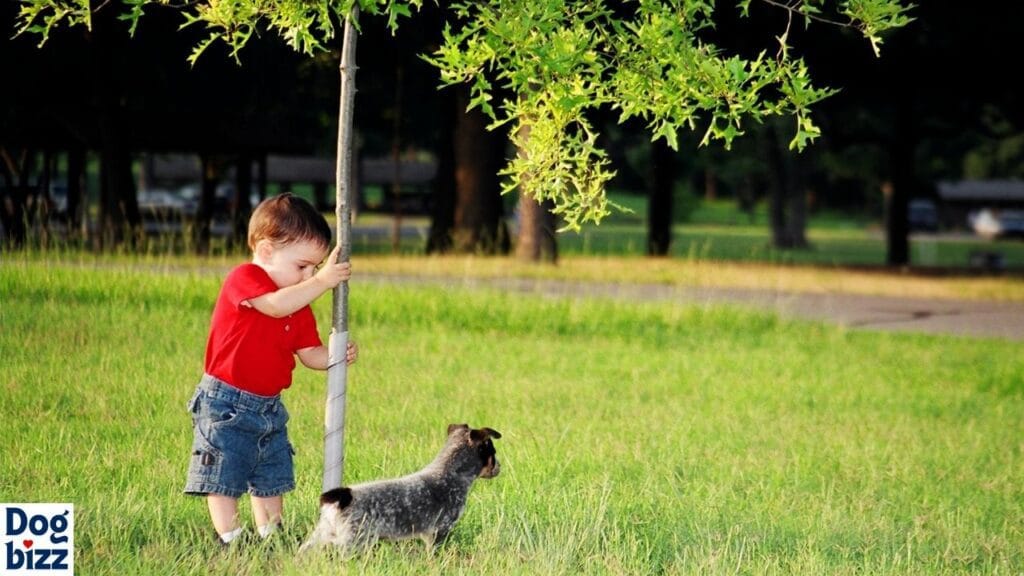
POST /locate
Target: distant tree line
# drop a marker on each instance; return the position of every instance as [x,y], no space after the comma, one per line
[930,108]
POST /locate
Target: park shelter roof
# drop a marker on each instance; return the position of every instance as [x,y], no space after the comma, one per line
[308,169]
[981,191]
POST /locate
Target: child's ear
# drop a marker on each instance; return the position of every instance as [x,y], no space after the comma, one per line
[264,249]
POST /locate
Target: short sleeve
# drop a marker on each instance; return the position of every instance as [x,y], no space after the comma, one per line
[246,282]
[306,335]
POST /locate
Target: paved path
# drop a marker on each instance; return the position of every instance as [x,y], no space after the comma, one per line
[941,316]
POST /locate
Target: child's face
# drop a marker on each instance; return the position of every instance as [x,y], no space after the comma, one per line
[289,264]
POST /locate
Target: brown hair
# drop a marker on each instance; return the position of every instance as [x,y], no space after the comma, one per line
[285,219]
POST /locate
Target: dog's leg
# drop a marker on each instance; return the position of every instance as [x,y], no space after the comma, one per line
[438,538]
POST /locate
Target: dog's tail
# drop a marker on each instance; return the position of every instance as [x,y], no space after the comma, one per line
[332,503]
[340,497]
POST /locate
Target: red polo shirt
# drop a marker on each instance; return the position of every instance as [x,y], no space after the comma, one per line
[249,349]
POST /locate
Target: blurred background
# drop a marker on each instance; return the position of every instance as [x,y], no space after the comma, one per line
[112,141]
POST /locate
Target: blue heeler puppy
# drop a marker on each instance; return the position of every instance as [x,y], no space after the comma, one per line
[425,504]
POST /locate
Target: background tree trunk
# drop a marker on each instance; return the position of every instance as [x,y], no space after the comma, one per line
[12,204]
[119,205]
[42,202]
[897,194]
[710,184]
[261,177]
[776,190]
[320,196]
[442,216]
[787,210]
[536,241]
[796,229]
[395,190]
[659,209]
[77,201]
[241,206]
[478,226]
[201,226]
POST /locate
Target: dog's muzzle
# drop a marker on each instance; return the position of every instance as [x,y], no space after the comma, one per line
[491,469]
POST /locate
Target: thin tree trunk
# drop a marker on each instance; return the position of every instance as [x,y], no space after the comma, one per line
[337,372]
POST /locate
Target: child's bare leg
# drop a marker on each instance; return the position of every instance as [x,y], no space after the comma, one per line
[223,512]
[266,512]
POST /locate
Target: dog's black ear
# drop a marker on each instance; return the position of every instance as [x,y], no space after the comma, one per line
[454,427]
[483,434]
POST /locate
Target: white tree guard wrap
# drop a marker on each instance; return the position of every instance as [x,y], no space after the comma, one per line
[334,415]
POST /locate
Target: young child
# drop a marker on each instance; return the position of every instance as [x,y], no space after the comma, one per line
[261,321]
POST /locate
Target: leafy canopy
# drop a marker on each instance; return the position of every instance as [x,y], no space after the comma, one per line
[542,68]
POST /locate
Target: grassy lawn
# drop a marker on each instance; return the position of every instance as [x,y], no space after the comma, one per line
[720,250]
[702,274]
[637,438]
[828,246]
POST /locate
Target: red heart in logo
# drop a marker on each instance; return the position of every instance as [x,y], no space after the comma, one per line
[27,543]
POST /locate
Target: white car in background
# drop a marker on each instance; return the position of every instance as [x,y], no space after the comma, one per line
[989,223]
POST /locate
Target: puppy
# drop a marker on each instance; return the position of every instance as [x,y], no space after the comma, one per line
[425,504]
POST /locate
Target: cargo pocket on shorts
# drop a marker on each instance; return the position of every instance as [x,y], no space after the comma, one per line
[213,418]
[206,458]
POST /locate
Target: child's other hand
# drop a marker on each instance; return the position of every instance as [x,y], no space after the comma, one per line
[333,272]
[351,353]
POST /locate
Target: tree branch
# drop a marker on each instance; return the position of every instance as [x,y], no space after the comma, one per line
[792,7]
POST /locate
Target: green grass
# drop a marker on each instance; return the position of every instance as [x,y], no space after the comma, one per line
[726,212]
[828,246]
[637,438]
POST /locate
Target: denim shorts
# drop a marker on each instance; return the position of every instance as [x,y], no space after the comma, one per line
[239,443]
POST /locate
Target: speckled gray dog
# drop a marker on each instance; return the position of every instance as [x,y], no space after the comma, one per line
[425,504]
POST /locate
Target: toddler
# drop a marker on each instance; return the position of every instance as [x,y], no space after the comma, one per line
[262,320]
